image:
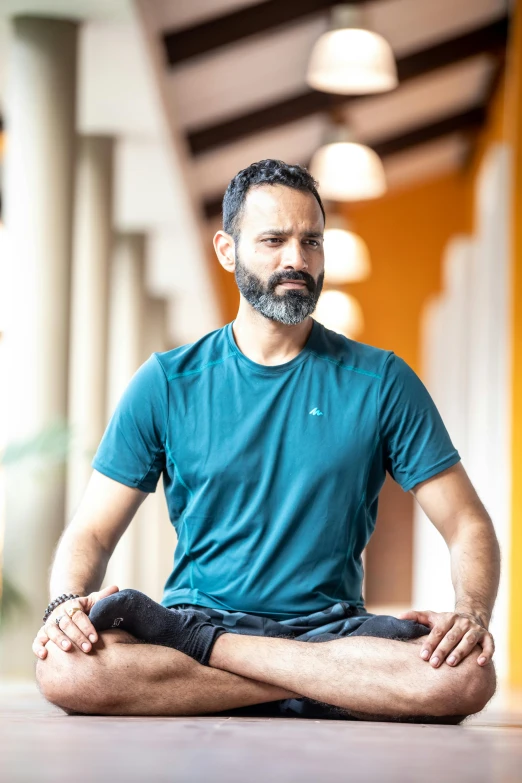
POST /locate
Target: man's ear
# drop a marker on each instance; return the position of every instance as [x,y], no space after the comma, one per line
[225,250]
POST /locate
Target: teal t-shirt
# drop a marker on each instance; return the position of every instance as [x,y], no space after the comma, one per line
[272,474]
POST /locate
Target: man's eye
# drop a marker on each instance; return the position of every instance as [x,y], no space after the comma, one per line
[273,239]
[313,242]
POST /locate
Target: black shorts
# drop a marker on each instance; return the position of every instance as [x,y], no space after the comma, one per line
[340,620]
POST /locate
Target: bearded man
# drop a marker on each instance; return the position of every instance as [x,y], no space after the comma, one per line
[274,436]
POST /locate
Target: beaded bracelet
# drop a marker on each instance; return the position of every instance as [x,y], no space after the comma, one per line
[57,601]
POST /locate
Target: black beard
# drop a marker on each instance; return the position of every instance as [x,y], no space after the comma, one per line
[290,308]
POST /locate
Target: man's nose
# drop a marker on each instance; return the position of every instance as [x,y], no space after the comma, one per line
[294,256]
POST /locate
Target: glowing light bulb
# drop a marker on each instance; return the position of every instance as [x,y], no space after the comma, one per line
[346,257]
[352,62]
[348,172]
[340,312]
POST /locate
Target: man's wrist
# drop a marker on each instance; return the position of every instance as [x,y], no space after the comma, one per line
[56,602]
[474,611]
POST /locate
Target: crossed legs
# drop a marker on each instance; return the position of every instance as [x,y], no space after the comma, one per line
[367,677]
[122,676]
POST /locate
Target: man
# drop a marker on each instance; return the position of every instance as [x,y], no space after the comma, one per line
[274,435]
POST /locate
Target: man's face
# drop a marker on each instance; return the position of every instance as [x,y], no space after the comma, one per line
[279,255]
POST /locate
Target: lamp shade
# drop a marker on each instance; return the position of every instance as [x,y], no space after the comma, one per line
[346,257]
[340,312]
[348,172]
[352,62]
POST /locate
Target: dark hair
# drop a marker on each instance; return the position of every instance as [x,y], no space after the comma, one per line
[264,172]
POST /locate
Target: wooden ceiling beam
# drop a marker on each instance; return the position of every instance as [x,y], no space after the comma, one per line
[469,121]
[491,38]
[464,122]
[185,43]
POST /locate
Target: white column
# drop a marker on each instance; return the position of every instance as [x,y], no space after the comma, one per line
[155,336]
[89,332]
[490,370]
[157,535]
[40,106]
[126,354]
[445,339]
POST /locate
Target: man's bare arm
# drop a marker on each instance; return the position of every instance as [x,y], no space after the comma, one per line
[452,504]
[106,510]
[83,552]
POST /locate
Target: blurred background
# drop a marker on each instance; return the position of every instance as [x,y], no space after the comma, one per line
[122,123]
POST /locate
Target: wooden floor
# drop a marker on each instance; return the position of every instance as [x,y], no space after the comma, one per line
[39,743]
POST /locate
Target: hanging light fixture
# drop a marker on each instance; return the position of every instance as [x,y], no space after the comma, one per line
[349,60]
[340,312]
[347,171]
[346,255]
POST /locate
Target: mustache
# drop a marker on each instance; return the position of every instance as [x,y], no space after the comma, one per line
[304,277]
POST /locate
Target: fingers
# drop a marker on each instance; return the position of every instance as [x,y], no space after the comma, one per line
[108,591]
[452,637]
[468,643]
[459,641]
[410,615]
[84,625]
[55,634]
[91,599]
[425,618]
[433,647]
[75,630]
[488,649]
[39,643]
[73,633]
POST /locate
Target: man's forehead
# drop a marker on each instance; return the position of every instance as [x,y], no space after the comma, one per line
[278,203]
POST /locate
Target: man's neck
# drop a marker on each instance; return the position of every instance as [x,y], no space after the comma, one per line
[268,342]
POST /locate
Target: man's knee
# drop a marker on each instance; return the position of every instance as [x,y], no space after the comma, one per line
[75,681]
[464,689]
[62,678]
[482,684]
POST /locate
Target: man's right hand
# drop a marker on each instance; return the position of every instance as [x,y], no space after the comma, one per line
[75,631]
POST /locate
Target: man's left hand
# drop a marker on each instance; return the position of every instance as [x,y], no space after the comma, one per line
[453,635]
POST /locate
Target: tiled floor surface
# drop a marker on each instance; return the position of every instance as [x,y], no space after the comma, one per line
[40,744]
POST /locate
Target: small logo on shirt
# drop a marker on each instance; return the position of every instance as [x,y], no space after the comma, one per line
[316,412]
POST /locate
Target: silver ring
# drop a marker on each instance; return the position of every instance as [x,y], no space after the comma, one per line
[57,620]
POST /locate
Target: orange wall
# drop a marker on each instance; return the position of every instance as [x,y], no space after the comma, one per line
[406,232]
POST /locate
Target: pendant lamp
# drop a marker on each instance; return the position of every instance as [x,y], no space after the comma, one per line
[350,60]
[346,254]
[347,171]
[340,312]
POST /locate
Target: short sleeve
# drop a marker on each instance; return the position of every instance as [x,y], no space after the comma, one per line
[415,440]
[132,449]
